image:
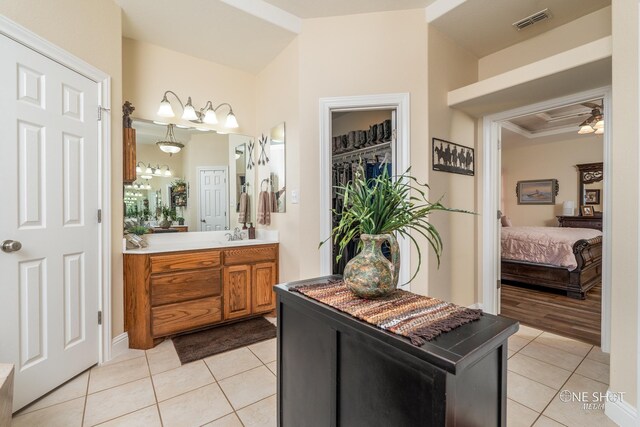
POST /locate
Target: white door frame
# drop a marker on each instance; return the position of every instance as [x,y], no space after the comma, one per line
[38,44]
[401,159]
[226,177]
[491,203]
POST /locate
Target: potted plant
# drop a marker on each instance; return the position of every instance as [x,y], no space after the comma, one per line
[180,220]
[179,186]
[373,210]
[168,215]
[138,230]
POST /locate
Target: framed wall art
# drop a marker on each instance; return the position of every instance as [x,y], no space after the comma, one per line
[537,192]
[451,157]
[586,210]
[591,196]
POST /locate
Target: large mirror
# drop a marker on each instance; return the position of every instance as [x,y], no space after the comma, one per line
[271,154]
[590,189]
[196,188]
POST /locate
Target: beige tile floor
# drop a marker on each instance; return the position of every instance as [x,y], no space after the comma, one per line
[238,388]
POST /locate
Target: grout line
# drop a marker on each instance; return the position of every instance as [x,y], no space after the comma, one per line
[86,397]
[223,393]
[264,398]
[153,387]
[120,416]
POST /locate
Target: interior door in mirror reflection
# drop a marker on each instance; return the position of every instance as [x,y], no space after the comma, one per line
[213,198]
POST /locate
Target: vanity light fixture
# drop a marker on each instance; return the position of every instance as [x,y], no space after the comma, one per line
[207,114]
[150,171]
[170,145]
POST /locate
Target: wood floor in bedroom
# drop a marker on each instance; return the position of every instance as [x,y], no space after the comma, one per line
[554,312]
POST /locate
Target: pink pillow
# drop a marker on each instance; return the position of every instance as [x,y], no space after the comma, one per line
[506,222]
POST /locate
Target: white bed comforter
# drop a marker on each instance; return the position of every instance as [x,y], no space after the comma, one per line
[544,245]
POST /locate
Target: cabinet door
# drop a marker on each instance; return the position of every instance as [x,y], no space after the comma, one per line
[237,291]
[263,299]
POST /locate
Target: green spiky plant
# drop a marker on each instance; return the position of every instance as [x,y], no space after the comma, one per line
[381,205]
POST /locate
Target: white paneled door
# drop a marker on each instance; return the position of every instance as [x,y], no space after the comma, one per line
[49,286]
[213,199]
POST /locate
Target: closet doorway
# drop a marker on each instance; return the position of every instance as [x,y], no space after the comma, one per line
[373,130]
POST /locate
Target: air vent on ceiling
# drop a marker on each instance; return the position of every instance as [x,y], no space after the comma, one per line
[532,19]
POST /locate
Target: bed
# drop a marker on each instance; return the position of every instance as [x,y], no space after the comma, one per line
[568,259]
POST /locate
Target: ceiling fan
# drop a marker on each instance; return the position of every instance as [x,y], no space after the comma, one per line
[595,122]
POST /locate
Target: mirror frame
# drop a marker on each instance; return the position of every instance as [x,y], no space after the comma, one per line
[588,174]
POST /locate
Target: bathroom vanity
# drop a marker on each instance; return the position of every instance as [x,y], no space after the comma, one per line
[187,285]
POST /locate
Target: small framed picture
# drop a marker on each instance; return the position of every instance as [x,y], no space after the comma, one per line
[586,210]
[537,192]
[591,197]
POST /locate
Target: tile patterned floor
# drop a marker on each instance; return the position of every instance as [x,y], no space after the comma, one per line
[238,388]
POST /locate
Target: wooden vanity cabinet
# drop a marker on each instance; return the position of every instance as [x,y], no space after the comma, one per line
[171,293]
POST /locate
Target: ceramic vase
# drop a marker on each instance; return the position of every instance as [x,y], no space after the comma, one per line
[370,274]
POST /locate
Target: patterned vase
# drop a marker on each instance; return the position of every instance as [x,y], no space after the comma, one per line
[370,274]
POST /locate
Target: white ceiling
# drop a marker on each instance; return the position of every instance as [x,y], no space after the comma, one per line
[514,140]
[484,26]
[321,8]
[207,29]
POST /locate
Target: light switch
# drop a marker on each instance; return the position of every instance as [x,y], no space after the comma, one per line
[295,199]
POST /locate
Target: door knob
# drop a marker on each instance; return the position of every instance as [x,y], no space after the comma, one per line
[202,220]
[11,246]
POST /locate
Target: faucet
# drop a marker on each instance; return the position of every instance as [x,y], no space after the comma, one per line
[237,235]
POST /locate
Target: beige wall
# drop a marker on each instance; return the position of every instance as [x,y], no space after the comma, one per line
[277,100]
[625,211]
[451,67]
[573,34]
[149,70]
[362,61]
[92,31]
[531,159]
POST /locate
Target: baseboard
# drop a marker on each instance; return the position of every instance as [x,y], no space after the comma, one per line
[476,306]
[119,345]
[620,412]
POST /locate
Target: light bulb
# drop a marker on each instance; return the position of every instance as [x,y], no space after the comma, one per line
[210,117]
[189,112]
[165,109]
[232,122]
[585,129]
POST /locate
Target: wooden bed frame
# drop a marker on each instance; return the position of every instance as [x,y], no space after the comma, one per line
[576,282]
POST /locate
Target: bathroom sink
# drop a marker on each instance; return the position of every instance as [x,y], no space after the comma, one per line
[241,242]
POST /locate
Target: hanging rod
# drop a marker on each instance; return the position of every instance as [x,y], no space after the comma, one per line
[366,150]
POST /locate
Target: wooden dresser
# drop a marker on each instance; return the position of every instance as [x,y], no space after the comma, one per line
[335,370]
[173,292]
[594,222]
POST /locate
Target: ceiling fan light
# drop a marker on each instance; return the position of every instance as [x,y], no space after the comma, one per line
[189,112]
[585,129]
[599,125]
[210,117]
[232,122]
[165,109]
[599,131]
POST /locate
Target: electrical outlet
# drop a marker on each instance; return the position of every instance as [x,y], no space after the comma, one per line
[295,197]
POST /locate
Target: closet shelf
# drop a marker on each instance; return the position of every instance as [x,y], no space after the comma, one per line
[369,149]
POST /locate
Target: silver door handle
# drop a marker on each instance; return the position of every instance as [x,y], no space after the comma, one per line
[202,220]
[9,246]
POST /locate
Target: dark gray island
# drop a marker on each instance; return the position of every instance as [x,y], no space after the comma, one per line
[335,370]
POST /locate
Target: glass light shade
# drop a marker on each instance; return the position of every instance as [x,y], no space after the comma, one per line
[599,131]
[138,169]
[167,172]
[148,186]
[585,129]
[165,109]
[146,176]
[170,147]
[599,125]
[232,122]
[189,112]
[157,172]
[148,170]
[210,117]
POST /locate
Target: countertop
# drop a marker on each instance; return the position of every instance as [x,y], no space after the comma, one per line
[177,242]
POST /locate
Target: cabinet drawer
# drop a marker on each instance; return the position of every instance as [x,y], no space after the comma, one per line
[173,318]
[249,255]
[184,261]
[167,288]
